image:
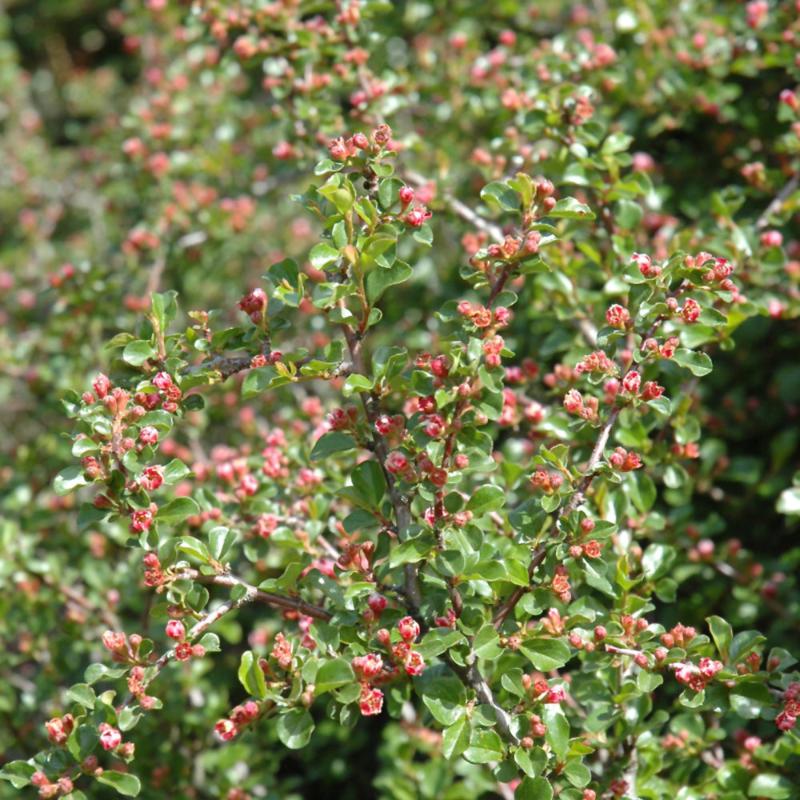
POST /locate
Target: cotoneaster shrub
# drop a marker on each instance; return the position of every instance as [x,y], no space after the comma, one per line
[386,336]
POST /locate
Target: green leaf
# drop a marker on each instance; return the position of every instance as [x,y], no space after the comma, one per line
[445,710]
[531,762]
[360,519]
[455,738]
[333,674]
[137,352]
[546,654]
[697,363]
[721,633]
[691,699]
[164,307]
[781,659]
[437,641]
[642,490]
[326,165]
[628,214]
[194,547]
[486,643]
[177,510]
[379,280]
[524,186]
[357,383]
[82,693]
[534,789]
[616,142]
[323,254]
[257,380]
[743,643]
[789,501]
[423,235]
[577,773]
[210,643]
[648,681]
[96,672]
[748,700]
[389,191]
[487,498]
[657,560]
[413,550]
[127,719]
[17,773]
[557,735]
[295,728]
[330,443]
[369,481]
[484,746]
[339,192]
[570,208]
[501,196]
[125,783]
[69,479]
[770,785]
[221,540]
[251,676]
[175,471]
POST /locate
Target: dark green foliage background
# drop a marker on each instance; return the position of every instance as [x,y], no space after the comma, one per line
[63,60]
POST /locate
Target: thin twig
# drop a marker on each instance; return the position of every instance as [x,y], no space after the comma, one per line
[481,223]
[464,211]
[584,325]
[625,651]
[251,595]
[578,496]
[195,632]
[399,503]
[73,595]
[225,365]
[259,596]
[778,201]
[230,365]
[471,676]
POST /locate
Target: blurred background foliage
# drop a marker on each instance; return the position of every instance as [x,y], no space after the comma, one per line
[87,232]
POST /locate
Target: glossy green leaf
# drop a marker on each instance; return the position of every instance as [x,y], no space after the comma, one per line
[295,728]
[123,782]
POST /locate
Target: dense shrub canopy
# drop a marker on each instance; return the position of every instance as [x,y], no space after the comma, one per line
[399,399]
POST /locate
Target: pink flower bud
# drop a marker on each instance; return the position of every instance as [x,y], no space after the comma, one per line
[377,603]
[226,729]
[101,385]
[110,738]
[175,629]
[691,310]
[408,628]
[384,637]
[417,217]
[368,666]
[617,316]
[406,195]
[141,520]
[631,382]
[148,435]
[789,98]
[183,652]
[771,239]
[599,633]
[573,401]
[370,702]
[415,664]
